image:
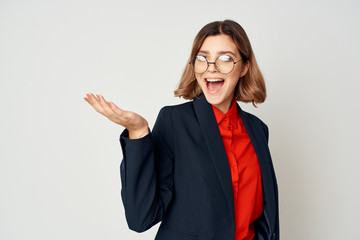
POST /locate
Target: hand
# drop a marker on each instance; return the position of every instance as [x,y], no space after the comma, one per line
[136,125]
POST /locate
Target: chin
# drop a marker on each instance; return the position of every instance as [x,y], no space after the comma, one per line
[213,99]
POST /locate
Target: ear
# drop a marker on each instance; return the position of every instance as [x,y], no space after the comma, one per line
[245,68]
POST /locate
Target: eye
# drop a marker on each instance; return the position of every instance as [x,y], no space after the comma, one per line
[225,58]
[201,58]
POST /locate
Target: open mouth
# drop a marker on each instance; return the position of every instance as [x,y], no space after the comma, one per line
[214,85]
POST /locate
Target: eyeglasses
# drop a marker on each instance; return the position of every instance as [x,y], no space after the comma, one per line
[224,64]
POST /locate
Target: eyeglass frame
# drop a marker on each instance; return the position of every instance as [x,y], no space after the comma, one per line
[208,64]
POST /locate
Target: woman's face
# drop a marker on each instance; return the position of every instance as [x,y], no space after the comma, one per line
[217,87]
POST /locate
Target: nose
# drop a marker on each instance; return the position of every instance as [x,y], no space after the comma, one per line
[212,67]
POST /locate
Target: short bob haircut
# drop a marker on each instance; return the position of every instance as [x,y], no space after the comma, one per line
[250,88]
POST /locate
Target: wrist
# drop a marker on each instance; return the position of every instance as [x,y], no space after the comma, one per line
[139,133]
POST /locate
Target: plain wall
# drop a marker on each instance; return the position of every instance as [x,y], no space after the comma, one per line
[59,159]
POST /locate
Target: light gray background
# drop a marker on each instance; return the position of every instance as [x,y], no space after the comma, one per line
[59,159]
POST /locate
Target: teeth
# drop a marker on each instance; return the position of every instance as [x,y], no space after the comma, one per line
[214,80]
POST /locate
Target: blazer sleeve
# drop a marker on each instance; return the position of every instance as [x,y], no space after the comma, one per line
[277,224]
[147,174]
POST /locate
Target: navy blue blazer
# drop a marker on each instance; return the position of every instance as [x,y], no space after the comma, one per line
[179,174]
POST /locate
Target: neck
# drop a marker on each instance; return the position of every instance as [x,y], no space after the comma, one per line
[224,107]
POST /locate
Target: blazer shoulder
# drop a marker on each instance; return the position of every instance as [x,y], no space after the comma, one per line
[182,108]
[253,118]
[171,113]
[256,121]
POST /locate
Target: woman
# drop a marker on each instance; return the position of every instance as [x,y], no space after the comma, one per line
[205,170]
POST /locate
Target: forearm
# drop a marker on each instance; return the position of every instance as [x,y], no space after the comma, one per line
[143,206]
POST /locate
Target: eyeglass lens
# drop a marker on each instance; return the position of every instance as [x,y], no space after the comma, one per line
[223,64]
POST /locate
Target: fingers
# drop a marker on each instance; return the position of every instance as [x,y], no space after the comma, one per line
[108,109]
[94,102]
[105,105]
[130,120]
[116,108]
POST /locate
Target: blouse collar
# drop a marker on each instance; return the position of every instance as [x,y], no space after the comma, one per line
[231,114]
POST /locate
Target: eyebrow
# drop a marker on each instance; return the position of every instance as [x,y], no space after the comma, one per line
[220,52]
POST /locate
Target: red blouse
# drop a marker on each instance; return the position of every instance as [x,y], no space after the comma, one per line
[245,171]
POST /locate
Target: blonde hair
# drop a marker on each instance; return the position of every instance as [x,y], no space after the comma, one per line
[250,88]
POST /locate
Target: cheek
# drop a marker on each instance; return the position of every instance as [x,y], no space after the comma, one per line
[237,73]
[235,76]
[198,78]
[234,80]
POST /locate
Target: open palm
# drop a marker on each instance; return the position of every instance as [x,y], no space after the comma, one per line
[133,122]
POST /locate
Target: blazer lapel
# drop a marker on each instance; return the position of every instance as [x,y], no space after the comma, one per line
[259,143]
[214,142]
